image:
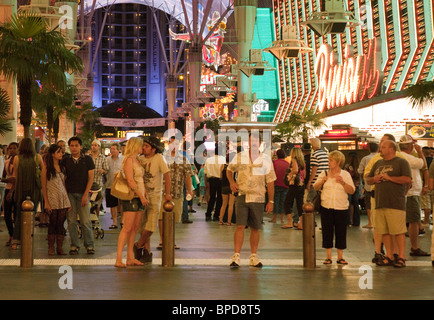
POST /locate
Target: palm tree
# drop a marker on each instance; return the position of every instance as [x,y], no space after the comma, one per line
[421,94]
[88,123]
[5,105]
[301,125]
[30,52]
[50,104]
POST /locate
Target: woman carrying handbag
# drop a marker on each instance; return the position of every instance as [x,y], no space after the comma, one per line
[132,209]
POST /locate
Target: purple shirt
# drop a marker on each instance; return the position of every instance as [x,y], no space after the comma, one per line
[280,167]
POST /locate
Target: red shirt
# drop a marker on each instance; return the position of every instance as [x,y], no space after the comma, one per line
[280,167]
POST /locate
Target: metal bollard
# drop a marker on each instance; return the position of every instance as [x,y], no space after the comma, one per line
[27,233]
[309,247]
[168,254]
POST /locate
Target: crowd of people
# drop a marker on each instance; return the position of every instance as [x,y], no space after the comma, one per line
[393,180]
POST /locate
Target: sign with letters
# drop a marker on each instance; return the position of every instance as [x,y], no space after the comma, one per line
[358,78]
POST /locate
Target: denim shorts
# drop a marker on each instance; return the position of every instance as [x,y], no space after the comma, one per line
[132,205]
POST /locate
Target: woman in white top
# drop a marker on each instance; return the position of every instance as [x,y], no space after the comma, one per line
[336,184]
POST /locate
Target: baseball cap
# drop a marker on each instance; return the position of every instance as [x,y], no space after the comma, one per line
[306,146]
[406,139]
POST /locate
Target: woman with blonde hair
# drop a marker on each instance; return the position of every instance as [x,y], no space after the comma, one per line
[295,180]
[132,209]
[336,185]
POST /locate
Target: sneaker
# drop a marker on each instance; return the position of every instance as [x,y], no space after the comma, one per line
[254,261]
[235,262]
[146,257]
[138,252]
[73,251]
[419,253]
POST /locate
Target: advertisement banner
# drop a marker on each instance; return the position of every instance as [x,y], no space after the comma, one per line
[420,130]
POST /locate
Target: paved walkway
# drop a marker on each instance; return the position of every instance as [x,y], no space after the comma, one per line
[201,270]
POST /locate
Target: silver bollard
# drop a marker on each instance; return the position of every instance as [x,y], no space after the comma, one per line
[309,247]
[27,233]
[168,254]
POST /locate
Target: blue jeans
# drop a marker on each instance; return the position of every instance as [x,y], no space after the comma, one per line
[85,223]
[279,199]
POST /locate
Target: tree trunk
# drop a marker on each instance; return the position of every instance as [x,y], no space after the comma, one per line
[50,116]
[25,92]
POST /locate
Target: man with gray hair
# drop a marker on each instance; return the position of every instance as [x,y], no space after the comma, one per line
[413,209]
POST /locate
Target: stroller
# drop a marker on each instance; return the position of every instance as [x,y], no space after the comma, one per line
[95,196]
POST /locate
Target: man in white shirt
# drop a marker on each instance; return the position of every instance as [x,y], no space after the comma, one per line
[413,209]
[155,168]
[115,165]
[213,170]
[255,177]
[373,149]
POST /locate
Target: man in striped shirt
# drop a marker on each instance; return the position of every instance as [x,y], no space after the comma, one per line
[318,163]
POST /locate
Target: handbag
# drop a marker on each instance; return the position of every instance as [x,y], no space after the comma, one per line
[120,188]
[316,199]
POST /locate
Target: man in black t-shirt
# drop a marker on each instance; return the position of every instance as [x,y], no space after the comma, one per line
[79,170]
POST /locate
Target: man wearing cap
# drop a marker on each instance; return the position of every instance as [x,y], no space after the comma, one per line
[155,168]
[413,209]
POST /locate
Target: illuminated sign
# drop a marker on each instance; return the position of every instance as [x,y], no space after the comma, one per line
[357,79]
[339,132]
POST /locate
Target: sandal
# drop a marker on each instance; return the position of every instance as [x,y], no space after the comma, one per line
[134,263]
[160,246]
[399,263]
[380,262]
[327,261]
[341,261]
[113,226]
[286,226]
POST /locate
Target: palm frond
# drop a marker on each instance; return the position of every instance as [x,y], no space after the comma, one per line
[421,94]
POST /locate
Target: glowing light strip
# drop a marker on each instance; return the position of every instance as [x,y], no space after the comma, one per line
[429,32]
[356,80]
[397,34]
[414,45]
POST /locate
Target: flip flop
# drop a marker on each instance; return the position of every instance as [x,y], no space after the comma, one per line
[286,227]
[341,261]
[327,261]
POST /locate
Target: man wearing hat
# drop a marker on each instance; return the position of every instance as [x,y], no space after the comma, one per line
[155,168]
[413,209]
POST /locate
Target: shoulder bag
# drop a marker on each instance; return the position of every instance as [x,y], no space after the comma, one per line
[316,198]
[120,188]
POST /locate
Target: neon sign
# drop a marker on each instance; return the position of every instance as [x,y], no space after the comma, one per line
[357,79]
